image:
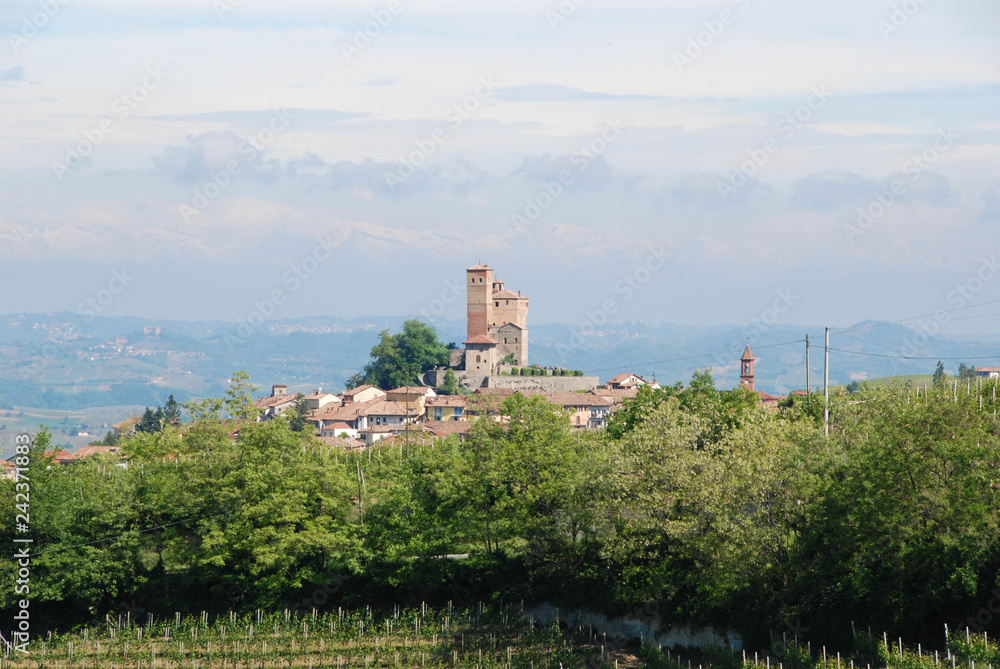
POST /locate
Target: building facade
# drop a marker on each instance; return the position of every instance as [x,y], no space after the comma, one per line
[498,314]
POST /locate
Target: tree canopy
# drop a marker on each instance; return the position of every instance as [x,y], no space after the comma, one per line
[397,360]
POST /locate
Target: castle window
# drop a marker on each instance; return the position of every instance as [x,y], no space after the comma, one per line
[498,304]
[479,358]
[506,301]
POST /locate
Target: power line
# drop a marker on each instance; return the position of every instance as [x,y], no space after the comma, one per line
[914,318]
[914,357]
[692,357]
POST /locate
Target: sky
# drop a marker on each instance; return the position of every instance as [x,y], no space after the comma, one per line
[691,162]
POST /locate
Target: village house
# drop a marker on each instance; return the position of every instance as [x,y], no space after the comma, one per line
[413,398]
[446,408]
[275,404]
[360,394]
[628,381]
[125,428]
[317,399]
[988,372]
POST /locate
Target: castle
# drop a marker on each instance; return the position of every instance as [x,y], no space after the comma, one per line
[497,326]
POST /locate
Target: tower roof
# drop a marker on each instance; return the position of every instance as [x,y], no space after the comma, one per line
[747,353]
[478,267]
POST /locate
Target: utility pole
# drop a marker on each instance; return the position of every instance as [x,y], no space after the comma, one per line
[826,385]
[808,388]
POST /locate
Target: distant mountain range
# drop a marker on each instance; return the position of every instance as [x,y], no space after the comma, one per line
[65,361]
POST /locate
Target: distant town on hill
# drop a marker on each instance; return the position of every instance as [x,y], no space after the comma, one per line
[96,371]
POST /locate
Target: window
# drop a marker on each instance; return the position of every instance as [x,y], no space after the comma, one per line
[458,411]
[479,358]
[437,412]
[497,303]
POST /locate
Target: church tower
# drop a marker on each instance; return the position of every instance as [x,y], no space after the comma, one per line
[746,369]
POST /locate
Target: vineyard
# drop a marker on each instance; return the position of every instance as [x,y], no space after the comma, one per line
[500,637]
[480,637]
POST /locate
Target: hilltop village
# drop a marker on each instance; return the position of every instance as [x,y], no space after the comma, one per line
[495,349]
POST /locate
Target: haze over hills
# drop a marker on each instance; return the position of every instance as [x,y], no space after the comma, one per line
[64,361]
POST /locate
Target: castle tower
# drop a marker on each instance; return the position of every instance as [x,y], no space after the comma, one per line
[746,369]
[479,288]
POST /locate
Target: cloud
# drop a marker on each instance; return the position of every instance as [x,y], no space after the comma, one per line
[301,119]
[440,242]
[557,93]
[15,73]
[203,155]
[702,190]
[827,191]
[991,199]
[546,167]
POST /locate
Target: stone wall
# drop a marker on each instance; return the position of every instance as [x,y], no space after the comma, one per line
[549,384]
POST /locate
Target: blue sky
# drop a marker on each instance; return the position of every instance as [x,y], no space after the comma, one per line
[244,151]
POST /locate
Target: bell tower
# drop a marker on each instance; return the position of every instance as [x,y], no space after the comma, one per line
[746,369]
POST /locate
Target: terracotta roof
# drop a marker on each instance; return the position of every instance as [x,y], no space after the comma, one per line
[768,397]
[480,339]
[480,266]
[126,423]
[88,451]
[747,353]
[616,396]
[359,389]
[446,401]
[349,412]
[350,444]
[319,395]
[507,295]
[273,400]
[571,399]
[511,325]
[409,390]
[988,369]
[339,425]
[443,428]
[621,377]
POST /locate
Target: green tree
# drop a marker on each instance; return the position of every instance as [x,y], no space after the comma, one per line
[399,359]
[171,411]
[240,394]
[966,373]
[450,384]
[299,413]
[939,374]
